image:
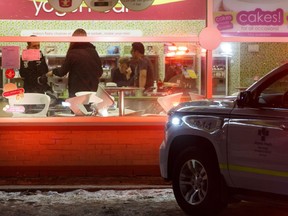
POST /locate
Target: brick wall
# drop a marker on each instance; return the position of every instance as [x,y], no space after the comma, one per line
[88,148]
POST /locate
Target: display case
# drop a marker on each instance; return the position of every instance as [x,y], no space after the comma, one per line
[220,72]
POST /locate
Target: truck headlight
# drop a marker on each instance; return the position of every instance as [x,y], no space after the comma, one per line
[176,121]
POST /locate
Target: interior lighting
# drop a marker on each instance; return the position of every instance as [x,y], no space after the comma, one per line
[172,48]
[182,48]
[171,54]
[180,52]
[226,49]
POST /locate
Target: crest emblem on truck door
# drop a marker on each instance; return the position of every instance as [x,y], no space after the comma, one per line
[263,133]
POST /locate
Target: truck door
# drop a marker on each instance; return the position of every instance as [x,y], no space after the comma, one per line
[258,142]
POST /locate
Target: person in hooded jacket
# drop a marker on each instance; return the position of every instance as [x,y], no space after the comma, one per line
[83,64]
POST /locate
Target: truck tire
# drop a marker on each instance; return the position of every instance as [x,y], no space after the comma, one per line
[197,183]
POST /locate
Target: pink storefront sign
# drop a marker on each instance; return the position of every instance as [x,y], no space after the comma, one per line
[251,18]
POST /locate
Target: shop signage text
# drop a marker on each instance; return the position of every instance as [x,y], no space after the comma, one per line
[45,7]
[260,17]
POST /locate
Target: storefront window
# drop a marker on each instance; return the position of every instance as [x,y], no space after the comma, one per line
[178,73]
[245,63]
[112,33]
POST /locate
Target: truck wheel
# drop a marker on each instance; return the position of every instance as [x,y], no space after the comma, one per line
[197,184]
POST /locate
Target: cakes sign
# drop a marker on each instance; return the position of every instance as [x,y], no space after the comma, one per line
[252,18]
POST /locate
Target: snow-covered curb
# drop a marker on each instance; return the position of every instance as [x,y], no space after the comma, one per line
[52,197]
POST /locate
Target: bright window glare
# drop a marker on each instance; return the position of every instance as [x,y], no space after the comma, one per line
[175,121]
[66,104]
[103,112]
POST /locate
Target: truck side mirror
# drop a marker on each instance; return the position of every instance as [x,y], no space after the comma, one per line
[244,99]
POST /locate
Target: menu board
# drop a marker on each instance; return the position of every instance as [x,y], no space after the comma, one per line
[10,57]
[137,5]
[101,5]
[65,5]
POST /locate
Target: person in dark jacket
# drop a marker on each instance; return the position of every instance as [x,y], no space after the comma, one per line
[83,64]
[33,72]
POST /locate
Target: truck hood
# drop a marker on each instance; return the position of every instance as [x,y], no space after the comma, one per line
[206,106]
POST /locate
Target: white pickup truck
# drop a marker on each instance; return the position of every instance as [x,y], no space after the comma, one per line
[215,149]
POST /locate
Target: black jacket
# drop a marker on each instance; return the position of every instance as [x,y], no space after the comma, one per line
[32,72]
[84,66]
[120,79]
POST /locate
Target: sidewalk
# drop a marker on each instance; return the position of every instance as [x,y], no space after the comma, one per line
[86,183]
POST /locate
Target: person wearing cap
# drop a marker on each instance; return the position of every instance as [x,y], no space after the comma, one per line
[83,64]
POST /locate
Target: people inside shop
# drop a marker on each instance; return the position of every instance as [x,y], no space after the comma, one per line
[178,74]
[123,75]
[83,64]
[33,72]
[143,68]
[172,70]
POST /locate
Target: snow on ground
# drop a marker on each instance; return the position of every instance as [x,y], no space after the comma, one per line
[124,202]
[52,197]
[140,202]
